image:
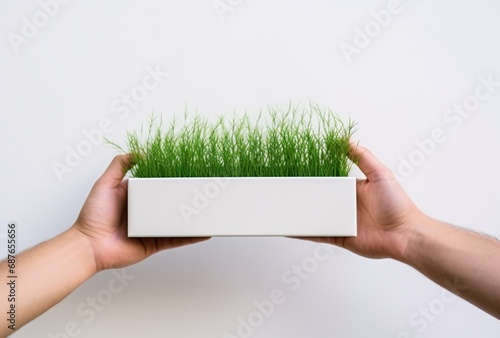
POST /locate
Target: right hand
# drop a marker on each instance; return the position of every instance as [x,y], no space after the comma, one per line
[385,213]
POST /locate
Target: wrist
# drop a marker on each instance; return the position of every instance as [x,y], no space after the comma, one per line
[84,247]
[419,239]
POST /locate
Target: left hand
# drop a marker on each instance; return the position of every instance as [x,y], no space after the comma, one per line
[103,221]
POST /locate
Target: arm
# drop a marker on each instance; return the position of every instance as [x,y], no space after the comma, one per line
[391,226]
[462,261]
[98,240]
[46,274]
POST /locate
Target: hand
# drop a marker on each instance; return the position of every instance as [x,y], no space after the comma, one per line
[103,221]
[385,213]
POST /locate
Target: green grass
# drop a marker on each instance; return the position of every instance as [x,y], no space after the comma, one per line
[295,141]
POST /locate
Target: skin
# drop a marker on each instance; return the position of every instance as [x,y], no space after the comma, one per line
[389,226]
[97,241]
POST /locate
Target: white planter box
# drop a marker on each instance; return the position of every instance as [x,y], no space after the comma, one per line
[242,206]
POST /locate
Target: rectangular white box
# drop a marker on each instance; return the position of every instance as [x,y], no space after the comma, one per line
[242,206]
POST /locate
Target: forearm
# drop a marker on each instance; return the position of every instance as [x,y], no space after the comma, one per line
[46,274]
[464,262]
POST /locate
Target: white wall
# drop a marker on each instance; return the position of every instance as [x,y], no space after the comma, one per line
[64,78]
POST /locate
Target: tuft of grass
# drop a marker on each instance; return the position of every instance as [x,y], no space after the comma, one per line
[295,141]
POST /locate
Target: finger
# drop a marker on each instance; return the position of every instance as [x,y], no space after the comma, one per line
[175,242]
[323,240]
[371,166]
[116,170]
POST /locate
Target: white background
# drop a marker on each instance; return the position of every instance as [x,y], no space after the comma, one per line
[64,79]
